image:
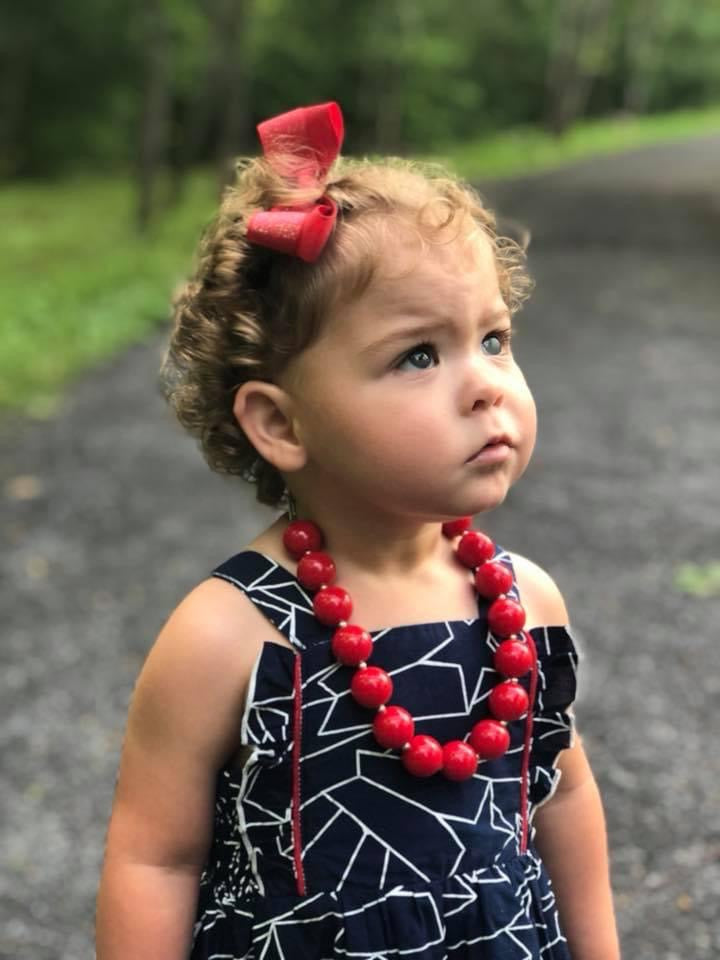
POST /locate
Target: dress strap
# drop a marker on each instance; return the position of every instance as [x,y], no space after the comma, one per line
[504,557]
[276,593]
[281,598]
[296,802]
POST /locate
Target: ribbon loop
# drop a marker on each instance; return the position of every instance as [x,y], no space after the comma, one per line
[298,232]
[304,143]
[300,145]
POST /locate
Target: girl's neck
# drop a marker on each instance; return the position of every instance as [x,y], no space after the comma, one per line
[411,550]
[392,579]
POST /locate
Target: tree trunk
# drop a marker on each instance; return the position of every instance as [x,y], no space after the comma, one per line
[15,60]
[400,21]
[13,89]
[578,52]
[232,22]
[190,131]
[155,124]
[388,117]
[647,26]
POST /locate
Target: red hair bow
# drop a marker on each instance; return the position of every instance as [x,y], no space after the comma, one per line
[300,145]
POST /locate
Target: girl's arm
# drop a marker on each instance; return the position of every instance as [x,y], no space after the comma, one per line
[182,726]
[571,840]
[570,826]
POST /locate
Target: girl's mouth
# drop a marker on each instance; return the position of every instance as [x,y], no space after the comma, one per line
[495,450]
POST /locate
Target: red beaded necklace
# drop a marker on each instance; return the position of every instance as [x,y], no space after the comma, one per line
[371,687]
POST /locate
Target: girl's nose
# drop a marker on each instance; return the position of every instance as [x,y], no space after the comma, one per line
[485,383]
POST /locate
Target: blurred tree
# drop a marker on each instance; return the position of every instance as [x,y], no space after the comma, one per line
[155,117]
[507,41]
[231,30]
[173,83]
[646,27]
[578,51]
[16,49]
[68,71]
[688,72]
[194,80]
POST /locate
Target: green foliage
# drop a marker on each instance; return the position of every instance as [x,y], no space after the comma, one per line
[409,73]
[73,64]
[699,580]
[527,148]
[78,284]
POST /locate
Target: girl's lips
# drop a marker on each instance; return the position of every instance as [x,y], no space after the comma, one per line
[492,453]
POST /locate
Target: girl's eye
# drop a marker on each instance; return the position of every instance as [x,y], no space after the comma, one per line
[425,352]
[494,344]
[497,341]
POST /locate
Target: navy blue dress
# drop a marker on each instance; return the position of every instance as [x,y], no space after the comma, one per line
[388,865]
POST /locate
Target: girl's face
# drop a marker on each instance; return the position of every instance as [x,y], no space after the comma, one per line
[408,382]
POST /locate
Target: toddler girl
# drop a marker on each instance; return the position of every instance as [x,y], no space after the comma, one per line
[353,739]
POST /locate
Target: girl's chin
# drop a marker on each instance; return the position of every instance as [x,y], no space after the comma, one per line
[489,501]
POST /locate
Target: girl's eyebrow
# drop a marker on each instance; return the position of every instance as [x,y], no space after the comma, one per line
[428,327]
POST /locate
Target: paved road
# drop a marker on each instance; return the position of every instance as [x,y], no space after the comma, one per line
[109,516]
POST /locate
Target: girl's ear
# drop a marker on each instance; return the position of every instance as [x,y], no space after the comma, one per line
[264,411]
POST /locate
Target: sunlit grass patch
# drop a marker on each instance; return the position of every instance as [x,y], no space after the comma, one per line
[530,149]
[698,579]
[78,281]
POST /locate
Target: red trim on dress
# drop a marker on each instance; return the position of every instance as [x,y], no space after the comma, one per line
[297,734]
[524,773]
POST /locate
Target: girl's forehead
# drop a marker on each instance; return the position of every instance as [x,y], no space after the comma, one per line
[414,272]
[403,247]
[434,283]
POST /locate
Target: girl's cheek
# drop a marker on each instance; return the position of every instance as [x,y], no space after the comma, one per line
[531,419]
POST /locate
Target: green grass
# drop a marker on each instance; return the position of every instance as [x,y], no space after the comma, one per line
[78,284]
[529,149]
[698,580]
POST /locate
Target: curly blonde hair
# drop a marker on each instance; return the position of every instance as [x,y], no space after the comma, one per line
[247,311]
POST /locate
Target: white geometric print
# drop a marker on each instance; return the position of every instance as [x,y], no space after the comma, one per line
[395,866]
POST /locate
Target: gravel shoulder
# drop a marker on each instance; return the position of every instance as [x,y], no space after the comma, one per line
[109,516]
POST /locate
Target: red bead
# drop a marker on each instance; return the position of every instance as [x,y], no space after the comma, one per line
[371,687]
[459,760]
[332,605]
[475,548]
[302,535]
[492,579]
[505,617]
[490,739]
[453,527]
[508,701]
[315,569]
[351,645]
[393,727]
[513,658]
[423,757]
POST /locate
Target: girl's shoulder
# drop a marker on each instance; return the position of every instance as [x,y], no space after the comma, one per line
[183,726]
[205,652]
[540,596]
[216,624]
